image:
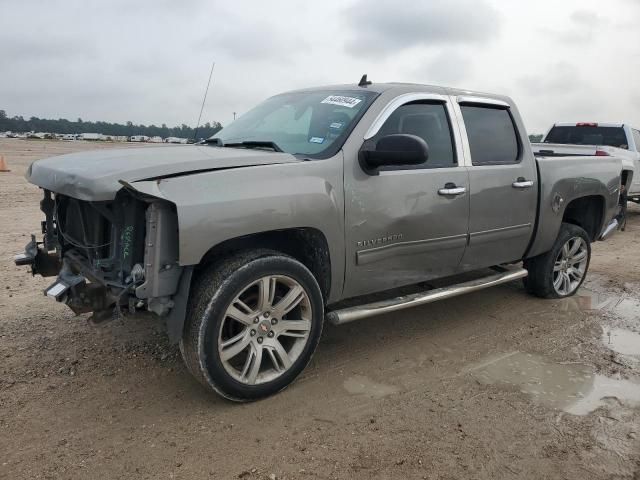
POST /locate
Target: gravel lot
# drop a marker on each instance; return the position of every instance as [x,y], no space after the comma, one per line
[493,385]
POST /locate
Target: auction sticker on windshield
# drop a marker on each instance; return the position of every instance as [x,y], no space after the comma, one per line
[348,102]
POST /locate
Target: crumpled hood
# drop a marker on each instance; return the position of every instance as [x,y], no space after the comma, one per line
[96,175]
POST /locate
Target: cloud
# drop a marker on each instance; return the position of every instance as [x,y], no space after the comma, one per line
[583,27]
[253,41]
[148,61]
[586,18]
[449,67]
[561,77]
[389,26]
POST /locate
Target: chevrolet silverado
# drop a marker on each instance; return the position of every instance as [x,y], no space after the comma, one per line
[319,204]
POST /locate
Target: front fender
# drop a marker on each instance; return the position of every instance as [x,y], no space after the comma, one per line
[216,206]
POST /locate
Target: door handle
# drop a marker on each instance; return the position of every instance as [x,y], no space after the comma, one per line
[451,189]
[521,182]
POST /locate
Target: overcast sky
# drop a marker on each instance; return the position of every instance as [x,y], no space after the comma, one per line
[148,61]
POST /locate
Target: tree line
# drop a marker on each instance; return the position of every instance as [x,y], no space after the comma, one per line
[62,125]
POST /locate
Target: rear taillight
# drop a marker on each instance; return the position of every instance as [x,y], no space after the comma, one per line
[586,124]
[602,153]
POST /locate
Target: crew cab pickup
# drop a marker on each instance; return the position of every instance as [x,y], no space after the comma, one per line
[303,209]
[601,139]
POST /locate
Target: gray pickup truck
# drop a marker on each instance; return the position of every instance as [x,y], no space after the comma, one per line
[333,203]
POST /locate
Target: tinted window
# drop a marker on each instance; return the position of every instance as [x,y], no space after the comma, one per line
[586,135]
[636,139]
[428,121]
[492,135]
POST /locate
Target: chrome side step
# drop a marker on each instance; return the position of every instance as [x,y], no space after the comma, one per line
[350,314]
[609,230]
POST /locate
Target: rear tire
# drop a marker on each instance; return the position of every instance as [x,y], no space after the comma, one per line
[559,273]
[253,323]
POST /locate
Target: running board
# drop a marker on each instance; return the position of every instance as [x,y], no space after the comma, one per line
[350,314]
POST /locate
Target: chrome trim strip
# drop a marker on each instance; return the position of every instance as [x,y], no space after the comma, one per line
[498,234]
[415,247]
[483,101]
[350,314]
[398,102]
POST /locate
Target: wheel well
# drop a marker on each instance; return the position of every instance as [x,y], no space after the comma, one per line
[587,213]
[307,245]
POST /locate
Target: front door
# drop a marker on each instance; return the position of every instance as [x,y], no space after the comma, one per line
[503,196]
[408,224]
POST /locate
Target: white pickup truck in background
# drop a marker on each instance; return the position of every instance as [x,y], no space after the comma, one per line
[599,139]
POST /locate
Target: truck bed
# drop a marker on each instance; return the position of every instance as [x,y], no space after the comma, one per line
[564,179]
[565,150]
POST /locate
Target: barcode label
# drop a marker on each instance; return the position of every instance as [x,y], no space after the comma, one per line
[341,101]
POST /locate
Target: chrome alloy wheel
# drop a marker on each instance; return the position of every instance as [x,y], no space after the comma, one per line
[570,266]
[265,329]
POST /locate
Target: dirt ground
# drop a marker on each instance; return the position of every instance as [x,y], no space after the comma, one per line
[493,385]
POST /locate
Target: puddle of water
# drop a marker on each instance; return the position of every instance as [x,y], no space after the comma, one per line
[572,388]
[622,341]
[621,307]
[361,385]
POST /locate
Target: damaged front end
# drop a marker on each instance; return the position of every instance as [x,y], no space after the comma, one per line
[109,257]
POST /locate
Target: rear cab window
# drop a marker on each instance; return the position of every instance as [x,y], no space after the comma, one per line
[588,134]
[493,139]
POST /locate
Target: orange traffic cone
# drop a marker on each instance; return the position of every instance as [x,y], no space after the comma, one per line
[3,165]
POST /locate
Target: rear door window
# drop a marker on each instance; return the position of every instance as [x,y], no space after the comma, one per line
[492,135]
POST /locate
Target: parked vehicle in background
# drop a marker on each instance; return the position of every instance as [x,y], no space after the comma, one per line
[41,135]
[601,139]
[307,206]
[176,140]
[138,138]
[90,136]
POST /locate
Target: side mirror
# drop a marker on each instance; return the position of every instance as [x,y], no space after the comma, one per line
[394,150]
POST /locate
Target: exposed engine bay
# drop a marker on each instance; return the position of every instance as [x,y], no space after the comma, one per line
[110,257]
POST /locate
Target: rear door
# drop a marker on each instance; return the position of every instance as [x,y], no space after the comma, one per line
[503,182]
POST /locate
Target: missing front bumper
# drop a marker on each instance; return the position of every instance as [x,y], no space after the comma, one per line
[41,261]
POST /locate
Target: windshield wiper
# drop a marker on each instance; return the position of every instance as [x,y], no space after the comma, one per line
[246,144]
[255,144]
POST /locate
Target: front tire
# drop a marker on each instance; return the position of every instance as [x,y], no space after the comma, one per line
[560,272]
[253,323]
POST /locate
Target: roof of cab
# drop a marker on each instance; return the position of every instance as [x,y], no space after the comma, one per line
[406,88]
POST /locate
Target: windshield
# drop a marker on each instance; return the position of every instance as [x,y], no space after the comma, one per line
[313,124]
[588,135]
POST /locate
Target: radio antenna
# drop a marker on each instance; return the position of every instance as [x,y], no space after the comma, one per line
[195,134]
